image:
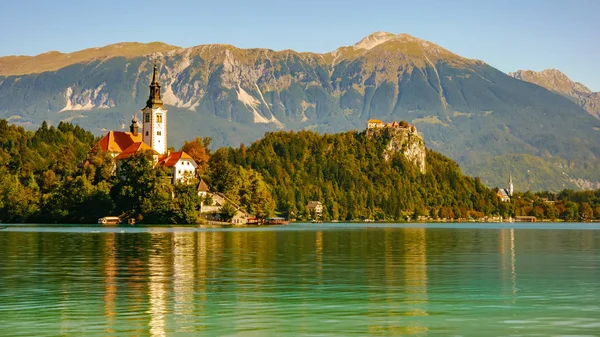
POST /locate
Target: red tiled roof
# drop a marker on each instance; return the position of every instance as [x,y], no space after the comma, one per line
[133,148]
[172,158]
[202,187]
[117,141]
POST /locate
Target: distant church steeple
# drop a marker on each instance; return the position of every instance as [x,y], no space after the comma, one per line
[155,117]
[510,186]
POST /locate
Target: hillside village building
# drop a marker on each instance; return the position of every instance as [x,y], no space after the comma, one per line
[122,145]
[315,207]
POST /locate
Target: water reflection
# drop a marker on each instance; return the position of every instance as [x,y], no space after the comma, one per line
[372,281]
[158,265]
[110,282]
[183,280]
[319,256]
[415,262]
[508,260]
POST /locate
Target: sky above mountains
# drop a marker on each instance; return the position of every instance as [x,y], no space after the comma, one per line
[509,35]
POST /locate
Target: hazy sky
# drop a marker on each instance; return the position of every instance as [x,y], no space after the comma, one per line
[508,34]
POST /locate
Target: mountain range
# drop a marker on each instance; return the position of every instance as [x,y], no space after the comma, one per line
[491,123]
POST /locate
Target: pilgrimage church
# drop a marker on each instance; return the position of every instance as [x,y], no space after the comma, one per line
[122,145]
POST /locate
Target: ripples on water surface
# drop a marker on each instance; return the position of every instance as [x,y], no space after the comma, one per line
[300,280]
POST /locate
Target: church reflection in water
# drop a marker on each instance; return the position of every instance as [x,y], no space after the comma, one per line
[508,261]
[158,280]
[183,280]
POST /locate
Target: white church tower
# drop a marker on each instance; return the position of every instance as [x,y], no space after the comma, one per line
[510,186]
[154,117]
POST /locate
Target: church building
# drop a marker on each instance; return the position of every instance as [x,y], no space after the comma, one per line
[506,193]
[121,145]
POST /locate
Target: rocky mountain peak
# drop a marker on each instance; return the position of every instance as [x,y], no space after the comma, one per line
[373,40]
[552,79]
[557,81]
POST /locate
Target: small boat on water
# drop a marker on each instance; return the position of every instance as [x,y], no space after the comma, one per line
[276,221]
[109,220]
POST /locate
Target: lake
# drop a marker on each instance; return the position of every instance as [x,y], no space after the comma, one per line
[301,280]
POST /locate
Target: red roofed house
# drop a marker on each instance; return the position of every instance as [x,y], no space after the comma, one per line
[180,165]
[122,145]
[116,142]
[135,148]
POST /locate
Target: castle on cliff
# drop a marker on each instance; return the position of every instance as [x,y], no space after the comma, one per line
[377,124]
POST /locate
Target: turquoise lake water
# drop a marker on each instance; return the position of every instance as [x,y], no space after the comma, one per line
[301,280]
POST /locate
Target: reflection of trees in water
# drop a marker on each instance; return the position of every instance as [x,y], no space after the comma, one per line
[165,282]
[110,281]
[415,279]
[402,275]
[319,257]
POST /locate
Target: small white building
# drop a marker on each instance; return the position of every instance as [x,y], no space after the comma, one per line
[182,167]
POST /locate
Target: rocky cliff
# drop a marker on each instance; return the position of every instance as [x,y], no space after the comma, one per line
[403,139]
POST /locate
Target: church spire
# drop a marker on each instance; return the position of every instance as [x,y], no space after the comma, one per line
[154,100]
[511,188]
[154,74]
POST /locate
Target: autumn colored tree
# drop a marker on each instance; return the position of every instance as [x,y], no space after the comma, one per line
[198,149]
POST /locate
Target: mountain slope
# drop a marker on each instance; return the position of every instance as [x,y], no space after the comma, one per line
[53,60]
[555,80]
[464,108]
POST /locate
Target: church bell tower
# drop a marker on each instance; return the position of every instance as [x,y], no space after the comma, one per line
[510,186]
[154,126]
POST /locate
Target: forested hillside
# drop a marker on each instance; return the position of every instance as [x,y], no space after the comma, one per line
[348,173]
[49,176]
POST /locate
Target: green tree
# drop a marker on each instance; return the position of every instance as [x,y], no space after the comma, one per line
[142,190]
[227,212]
[186,205]
[571,212]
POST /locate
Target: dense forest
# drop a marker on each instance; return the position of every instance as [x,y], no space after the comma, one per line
[51,176]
